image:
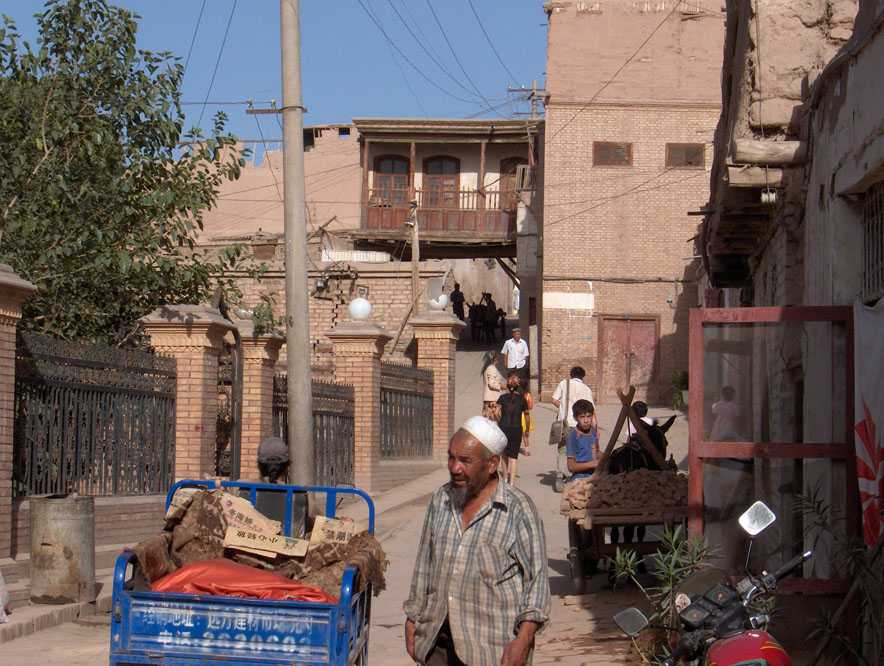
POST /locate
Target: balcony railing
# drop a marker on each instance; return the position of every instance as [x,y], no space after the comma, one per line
[443,211]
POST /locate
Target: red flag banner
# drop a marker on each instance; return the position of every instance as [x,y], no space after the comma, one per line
[869,413]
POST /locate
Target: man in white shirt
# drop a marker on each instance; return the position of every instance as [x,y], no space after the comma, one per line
[515,356]
[578,390]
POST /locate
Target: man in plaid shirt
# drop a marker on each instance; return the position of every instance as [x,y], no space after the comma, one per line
[480,590]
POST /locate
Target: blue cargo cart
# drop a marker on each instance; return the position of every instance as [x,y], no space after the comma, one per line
[170,629]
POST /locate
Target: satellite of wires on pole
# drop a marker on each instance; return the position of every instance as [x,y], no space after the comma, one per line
[533,95]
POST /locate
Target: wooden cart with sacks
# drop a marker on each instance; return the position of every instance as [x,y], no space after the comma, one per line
[607,505]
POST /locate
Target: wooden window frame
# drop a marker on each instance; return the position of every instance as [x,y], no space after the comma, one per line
[873,243]
[595,154]
[425,176]
[669,149]
[395,201]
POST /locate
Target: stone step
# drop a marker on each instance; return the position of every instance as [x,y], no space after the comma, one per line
[20,591]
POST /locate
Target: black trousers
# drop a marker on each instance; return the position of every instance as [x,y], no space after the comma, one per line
[443,653]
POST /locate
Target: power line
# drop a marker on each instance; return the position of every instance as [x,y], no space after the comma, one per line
[217,62]
[617,73]
[405,77]
[408,60]
[425,50]
[491,43]
[454,54]
[266,151]
[244,102]
[196,28]
[632,190]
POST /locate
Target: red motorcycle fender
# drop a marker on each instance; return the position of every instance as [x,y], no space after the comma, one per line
[750,648]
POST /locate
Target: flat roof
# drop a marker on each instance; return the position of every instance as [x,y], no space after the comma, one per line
[446,125]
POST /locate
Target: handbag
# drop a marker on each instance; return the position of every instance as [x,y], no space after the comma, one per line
[558,431]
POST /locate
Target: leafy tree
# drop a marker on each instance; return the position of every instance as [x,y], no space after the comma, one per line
[102,194]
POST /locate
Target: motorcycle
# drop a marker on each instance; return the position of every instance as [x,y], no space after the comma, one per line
[717,625]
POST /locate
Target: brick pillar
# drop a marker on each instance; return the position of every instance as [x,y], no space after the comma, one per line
[260,355]
[13,292]
[193,336]
[436,334]
[357,348]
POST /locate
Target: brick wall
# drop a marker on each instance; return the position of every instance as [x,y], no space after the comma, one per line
[7,388]
[609,223]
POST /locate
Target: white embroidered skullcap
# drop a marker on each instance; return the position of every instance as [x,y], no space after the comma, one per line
[487,432]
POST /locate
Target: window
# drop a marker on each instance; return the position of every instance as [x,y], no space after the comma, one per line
[343,132]
[390,180]
[685,155]
[606,153]
[441,182]
[873,243]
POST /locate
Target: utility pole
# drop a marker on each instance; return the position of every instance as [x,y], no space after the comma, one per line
[415,260]
[533,95]
[297,314]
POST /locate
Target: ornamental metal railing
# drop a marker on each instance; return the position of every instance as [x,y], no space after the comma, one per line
[334,432]
[406,412]
[91,419]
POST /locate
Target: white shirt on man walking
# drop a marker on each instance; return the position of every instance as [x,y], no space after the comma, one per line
[578,390]
[516,351]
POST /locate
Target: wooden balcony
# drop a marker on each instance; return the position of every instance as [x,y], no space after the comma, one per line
[445,215]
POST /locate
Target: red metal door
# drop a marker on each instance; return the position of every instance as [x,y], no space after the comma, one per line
[614,353]
[642,353]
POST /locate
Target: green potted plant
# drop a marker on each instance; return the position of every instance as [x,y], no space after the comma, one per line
[680,389]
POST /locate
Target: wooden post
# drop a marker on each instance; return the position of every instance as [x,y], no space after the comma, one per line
[480,183]
[412,158]
[605,460]
[365,163]
[695,417]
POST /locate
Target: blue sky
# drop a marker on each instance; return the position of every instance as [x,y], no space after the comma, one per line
[348,67]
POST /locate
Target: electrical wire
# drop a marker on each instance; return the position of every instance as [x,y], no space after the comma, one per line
[632,190]
[617,72]
[196,28]
[454,54]
[408,85]
[491,43]
[426,50]
[267,150]
[408,60]
[217,62]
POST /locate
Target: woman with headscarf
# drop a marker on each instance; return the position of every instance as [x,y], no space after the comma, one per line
[494,383]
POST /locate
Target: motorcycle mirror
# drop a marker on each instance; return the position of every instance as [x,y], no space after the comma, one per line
[631,621]
[756,519]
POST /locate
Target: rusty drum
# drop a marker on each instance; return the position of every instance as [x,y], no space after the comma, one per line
[62,549]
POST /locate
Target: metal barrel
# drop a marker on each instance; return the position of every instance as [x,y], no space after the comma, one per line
[62,549]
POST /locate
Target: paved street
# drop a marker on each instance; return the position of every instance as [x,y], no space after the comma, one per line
[581,632]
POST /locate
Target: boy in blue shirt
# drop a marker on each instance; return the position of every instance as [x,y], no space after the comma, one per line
[582,443]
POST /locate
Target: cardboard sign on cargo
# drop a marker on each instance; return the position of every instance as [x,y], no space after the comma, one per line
[240,513]
[250,541]
[336,530]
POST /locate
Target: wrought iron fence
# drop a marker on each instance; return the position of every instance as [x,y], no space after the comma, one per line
[334,433]
[91,419]
[406,412]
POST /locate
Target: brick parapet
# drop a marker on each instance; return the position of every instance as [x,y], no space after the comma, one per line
[193,336]
[13,293]
[436,335]
[260,355]
[357,349]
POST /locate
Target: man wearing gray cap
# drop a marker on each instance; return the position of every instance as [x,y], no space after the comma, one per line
[480,590]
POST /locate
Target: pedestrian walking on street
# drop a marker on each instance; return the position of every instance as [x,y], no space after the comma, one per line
[574,388]
[513,406]
[457,301]
[495,384]
[515,356]
[480,589]
[527,420]
[490,319]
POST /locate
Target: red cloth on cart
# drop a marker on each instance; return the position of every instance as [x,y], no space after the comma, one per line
[224,578]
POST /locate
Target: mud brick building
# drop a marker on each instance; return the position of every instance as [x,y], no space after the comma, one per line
[628,148]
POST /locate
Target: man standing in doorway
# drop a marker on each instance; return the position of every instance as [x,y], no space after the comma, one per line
[515,356]
[480,590]
[457,301]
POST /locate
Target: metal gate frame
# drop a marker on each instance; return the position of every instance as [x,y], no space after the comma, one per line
[700,450]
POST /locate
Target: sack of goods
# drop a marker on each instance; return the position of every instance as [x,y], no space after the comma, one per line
[217,543]
[638,489]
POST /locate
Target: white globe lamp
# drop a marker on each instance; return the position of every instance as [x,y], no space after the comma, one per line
[439,303]
[360,309]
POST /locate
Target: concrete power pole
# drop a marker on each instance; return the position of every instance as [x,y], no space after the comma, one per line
[297,324]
